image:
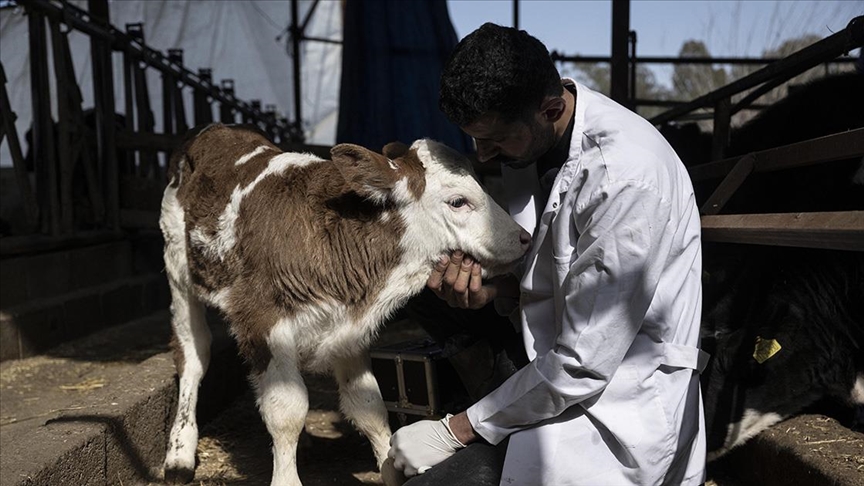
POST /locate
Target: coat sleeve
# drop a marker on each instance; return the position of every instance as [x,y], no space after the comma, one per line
[609,285]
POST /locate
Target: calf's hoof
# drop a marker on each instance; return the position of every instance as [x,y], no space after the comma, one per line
[179,475]
[390,475]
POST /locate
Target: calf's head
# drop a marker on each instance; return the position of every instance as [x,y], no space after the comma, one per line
[434,190]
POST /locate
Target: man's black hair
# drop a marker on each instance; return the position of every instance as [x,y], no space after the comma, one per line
[497,69]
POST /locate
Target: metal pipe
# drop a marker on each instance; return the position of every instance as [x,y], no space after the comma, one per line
[295,49]
[847,39]
[75,18]
[618,64]
[559,57]
[515,14]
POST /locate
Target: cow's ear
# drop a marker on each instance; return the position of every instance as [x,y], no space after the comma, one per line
[369,174]
[394,150]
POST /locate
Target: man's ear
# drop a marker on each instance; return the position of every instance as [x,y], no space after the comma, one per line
[367,173]
[552,108]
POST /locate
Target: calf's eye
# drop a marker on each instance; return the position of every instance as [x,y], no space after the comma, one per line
[458,202]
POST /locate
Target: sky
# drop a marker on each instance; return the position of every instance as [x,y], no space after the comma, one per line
[728,27]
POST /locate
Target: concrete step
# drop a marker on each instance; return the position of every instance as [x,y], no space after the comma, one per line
[806,450]
[31,327]
[52,273]
[97,410]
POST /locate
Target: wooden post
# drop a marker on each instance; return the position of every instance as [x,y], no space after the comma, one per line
[129,102]
[226,113]
[167,105]
[256,106]
[103,87]
[78,135]
[203,110]
[149,162]
[180,125]
[42,144]
[64,136]
[7,128]
[722,121]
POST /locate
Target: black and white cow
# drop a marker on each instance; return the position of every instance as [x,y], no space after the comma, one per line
[785,327]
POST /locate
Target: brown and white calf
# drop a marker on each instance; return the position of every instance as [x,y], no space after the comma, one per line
[306,258]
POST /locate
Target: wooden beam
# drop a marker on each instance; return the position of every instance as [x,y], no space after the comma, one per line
[829,230]
[730,184]
[844,145]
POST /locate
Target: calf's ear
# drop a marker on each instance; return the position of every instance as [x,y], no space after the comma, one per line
[367,173]
[394,150]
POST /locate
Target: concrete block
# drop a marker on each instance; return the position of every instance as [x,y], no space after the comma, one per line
[83,314]
[66,450]
[136,444]
[40,329]
[147,253]
[99,264]
[122,303]
[48,275]
[156,294]
[9,346]
[13,282]
[112,434]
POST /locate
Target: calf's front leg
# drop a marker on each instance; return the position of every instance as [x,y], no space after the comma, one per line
[361,402]
[283,402]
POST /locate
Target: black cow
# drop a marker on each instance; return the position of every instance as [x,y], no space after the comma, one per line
[785,327]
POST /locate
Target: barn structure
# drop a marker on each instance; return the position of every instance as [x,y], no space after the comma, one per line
[87,384]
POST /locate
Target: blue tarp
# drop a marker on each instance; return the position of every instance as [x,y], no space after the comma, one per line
[392,56]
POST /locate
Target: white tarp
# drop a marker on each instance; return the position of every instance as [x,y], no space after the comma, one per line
[237,40]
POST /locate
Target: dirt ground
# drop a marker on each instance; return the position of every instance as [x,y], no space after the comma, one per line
[234,449]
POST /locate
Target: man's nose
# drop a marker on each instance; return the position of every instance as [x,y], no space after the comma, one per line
[486,151]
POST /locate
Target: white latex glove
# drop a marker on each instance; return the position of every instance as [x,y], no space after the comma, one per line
[417,447]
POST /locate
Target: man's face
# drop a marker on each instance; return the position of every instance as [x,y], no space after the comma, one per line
[515,144]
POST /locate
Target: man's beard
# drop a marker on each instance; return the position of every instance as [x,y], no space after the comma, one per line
[541,142]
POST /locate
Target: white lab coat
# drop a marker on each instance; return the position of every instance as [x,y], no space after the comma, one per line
[610,311]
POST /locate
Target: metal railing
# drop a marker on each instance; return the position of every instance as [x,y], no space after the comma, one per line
[75,177]
[830,230]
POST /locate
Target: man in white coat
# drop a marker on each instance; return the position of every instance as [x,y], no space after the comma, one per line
[609,296]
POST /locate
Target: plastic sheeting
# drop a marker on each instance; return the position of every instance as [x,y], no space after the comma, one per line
[392,59]
[237,40]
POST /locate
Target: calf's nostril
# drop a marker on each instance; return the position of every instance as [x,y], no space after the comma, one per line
[525,239]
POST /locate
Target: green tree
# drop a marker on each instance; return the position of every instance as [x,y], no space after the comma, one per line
[690,81]
[596,76]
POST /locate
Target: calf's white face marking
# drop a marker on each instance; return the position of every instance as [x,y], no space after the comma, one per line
[455,213]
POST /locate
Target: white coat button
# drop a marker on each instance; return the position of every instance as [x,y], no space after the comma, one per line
[554,205]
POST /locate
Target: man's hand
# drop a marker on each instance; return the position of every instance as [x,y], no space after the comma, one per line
[457,279]
[417,447]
